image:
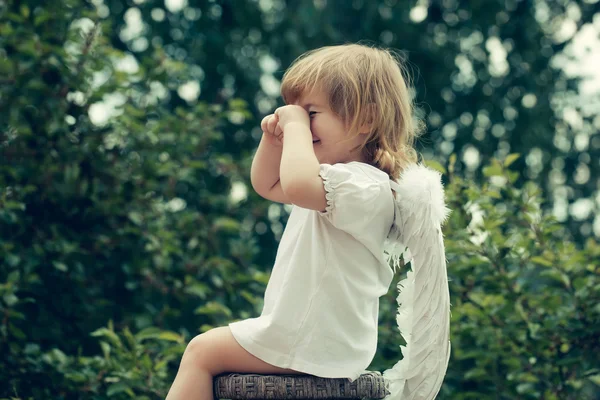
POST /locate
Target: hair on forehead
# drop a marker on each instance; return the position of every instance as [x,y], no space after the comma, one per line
[361,83]
[324,69]
[345,70]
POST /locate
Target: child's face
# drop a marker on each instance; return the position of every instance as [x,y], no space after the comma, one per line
[330,129]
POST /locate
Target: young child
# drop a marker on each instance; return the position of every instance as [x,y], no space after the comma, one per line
[335,152]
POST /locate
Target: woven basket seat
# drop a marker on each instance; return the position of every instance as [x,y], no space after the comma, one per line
[236,386]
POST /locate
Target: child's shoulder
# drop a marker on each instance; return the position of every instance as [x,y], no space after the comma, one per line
[358,170]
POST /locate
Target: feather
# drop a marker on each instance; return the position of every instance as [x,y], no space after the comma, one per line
[423,296]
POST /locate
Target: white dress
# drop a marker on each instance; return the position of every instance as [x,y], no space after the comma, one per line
[321,304]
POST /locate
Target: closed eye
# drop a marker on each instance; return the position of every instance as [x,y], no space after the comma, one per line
[312,113]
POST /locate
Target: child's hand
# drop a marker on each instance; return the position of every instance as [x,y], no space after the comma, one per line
[292,113]
[272,131]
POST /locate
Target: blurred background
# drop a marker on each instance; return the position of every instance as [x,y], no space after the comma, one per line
[492,77]
[128,223]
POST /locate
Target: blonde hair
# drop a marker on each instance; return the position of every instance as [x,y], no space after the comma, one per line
[364,85]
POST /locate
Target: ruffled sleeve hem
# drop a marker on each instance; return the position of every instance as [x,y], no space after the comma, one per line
[352,197]
[329,190]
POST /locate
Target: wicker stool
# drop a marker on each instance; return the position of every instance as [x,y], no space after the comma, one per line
[369,385]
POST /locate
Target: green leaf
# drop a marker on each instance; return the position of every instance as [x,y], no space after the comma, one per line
[451,162]
[14,205]
[6,29]
[13,260]
[116,388]
[56,357]
[435,165]
[511,158]
[15,18]
[16,332]
[14,276]
[512,176]
[148,333]
[171,336]
[196,164]
[105,349]
[595,379]
[14,314]
[135,217]
[197,289]
[528,377]
[129,337]
[227,225]
[492,170]
[524,387]
[78,377]
[252,299]
[25,10]
[208,327]
[533,329]
[261,277]
[212,307]
[109,335]
[542,261]
[10,299]
[493,194]
[60,266]
[160,364]
[475,374]
[42,17]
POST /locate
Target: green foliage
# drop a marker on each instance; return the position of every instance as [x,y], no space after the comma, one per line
[130,366]
[130,220]
[119,241]
[525,314]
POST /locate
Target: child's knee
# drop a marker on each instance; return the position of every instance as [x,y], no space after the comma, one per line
[196,351]
[202,351]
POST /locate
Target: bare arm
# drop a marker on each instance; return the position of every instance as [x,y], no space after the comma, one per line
[299,164]
[276,194]
[299,170]
[264,173]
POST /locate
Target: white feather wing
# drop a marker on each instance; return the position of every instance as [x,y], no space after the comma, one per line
[424,298]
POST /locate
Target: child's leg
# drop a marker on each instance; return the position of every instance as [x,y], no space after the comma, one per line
[210,354]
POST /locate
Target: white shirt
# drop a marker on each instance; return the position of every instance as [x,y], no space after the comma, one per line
[321,304]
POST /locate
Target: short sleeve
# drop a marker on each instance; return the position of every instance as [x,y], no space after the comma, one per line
[352,197]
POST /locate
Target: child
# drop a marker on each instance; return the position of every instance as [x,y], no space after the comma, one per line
[334,152]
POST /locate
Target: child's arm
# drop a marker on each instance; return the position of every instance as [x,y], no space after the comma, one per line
[264,173]
[300,168]
[276,194]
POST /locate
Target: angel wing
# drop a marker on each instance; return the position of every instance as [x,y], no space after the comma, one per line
[424,299]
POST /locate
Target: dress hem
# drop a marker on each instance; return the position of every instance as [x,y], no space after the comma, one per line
[283,361]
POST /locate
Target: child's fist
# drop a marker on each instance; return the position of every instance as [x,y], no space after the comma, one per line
[292,113]
[271,129]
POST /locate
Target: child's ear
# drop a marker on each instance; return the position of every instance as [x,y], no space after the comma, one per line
[368,119]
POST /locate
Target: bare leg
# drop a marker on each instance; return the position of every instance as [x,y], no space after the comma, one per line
[210,354]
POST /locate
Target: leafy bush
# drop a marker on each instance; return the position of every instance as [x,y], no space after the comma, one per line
[526,301]
[130,220]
